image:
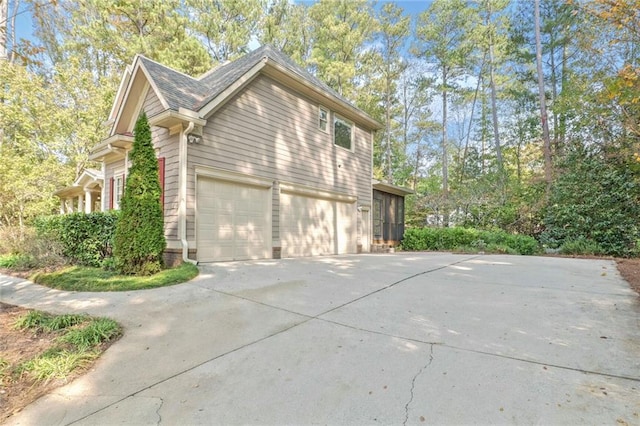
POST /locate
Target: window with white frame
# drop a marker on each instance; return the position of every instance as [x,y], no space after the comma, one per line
[118,189]
[342,132]
[323,119]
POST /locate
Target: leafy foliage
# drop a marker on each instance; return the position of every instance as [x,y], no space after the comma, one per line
[458,238]
[594,200]
[87,239]
[139,239]
[581,246]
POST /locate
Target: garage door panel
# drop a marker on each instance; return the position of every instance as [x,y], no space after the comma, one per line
[314,226]
[234,221]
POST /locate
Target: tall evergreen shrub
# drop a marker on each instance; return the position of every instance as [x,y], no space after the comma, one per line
[594,202]
[139,240]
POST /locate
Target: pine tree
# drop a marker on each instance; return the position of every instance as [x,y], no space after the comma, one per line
[139,239]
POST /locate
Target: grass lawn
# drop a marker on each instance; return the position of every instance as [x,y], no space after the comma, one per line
[79,278]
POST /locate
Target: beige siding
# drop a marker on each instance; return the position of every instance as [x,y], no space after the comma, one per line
[152,105]
[270,131]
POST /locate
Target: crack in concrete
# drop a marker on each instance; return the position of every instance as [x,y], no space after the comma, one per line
[158,410]
[476,351]
[413,385]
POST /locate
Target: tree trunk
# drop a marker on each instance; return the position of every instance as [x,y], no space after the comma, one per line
[543,102]
[16,7]
[417,166]
[387,108]
[563,116]
[494,114]
[473,108]
[4,18]
[445,166]
[554,94]
[494,108]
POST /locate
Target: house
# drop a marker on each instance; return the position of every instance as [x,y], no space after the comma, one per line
[258,159]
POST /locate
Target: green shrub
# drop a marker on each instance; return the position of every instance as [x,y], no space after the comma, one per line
[18,261]
[86,239]
[23,249]
[456,239]
[581,246]
[139,239]
[593,200]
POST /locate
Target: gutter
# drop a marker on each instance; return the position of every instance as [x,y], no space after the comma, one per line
[182,207]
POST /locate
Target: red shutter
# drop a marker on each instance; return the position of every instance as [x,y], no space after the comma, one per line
[161,177]
[111,184]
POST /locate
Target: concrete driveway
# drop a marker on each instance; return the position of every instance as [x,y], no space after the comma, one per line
[371,339]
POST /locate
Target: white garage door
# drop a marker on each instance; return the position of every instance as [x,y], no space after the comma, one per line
[233,221]
[314,226]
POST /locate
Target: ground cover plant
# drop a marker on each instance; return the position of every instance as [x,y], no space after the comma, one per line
[82,278]
[40,352]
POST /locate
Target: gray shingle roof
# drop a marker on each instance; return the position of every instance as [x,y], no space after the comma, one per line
[180,90]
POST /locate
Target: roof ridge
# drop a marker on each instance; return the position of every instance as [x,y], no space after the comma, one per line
[212,70]
[144,58]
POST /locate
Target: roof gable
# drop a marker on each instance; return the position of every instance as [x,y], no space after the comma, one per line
[203,95]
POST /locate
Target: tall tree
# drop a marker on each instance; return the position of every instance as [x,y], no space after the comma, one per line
[226,26]
[286,26]
[340,30]
[106,35]
[442,38]
[492,39]
[542,97]
[30,164]
[392,35]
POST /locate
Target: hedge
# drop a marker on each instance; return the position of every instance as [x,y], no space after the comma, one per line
[87,239]
[437,239]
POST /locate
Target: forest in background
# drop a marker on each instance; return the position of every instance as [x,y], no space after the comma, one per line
[514,115]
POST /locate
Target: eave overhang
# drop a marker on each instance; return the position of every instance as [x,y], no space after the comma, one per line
[391,189]
[112,148]
[171,118]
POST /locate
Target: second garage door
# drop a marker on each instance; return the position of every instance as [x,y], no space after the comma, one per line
[233,221]
[312,226]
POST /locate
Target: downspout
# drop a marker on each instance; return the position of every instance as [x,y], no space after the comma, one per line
[182,207]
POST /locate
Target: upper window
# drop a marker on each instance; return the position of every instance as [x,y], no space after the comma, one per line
[118,190]
[342,132]
[323,119]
